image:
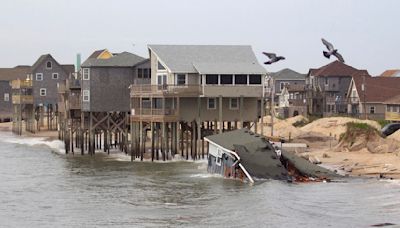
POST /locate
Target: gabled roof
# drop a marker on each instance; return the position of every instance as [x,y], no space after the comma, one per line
[18,72]
[391,73]
[209,59]
[288,74]
[68,68]
[336,68]
[124,59]
[96,54]
[377,89]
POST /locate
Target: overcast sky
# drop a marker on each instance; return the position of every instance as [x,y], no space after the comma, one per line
[366,32]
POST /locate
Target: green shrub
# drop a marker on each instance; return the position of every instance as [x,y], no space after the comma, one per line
[383,122]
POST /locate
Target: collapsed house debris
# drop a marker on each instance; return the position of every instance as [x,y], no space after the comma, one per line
[244,155]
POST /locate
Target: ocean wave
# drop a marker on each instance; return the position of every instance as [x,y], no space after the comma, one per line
[55,145]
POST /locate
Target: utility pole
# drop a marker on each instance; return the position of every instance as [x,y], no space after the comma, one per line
[272,109]
[365,103]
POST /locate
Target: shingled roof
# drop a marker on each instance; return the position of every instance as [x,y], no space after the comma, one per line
[337,68]
[124,59]
[18,72]
[288,74]
[68,68]
[393,100]
[208,59]
[377,89]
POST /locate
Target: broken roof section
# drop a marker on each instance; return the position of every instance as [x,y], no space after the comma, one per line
[259,158]
[209,59]
[103,58]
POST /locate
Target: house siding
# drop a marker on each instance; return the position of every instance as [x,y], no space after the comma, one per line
[109,89]
[48,83]
[5,106]
[189,112]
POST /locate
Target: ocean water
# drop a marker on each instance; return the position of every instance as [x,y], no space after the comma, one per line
[42,187]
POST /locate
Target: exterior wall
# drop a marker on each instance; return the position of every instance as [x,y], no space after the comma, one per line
[48,83]
[144,65]
[5,106]
[189,110]
[233,90]
[109,90]
[290,82]
[380,110]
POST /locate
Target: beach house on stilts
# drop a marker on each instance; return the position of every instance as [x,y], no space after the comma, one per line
[195,91]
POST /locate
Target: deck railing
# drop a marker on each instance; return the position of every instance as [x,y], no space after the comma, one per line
[166,90]
[155,112]
[18,84]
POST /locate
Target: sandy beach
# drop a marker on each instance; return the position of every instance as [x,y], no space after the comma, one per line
[374,159]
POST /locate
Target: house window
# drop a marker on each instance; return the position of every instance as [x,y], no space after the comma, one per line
[234,103]
[255,79]
[86,95]
[54,76]
[212,79]
[226,79]
[86,73]
[49,65]
[140,73]
[240,79]
[160,66]
[372,110]
[43,92]
[211,103]
[388,108]
[146,73]
[181,79]
[39,77]
[326,81]
[161,79]
[143,73]
[6,97]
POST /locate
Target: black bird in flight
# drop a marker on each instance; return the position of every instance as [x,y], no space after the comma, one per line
[273,58]
[331,51]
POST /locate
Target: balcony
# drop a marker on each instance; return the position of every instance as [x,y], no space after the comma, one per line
[20,84]
[22,99]
[166,90]
[73,83]
[156,115]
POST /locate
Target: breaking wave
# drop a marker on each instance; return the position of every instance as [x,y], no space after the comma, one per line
[55,145]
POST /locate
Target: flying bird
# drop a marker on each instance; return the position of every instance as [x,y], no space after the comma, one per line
[273,58]
[331,51]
